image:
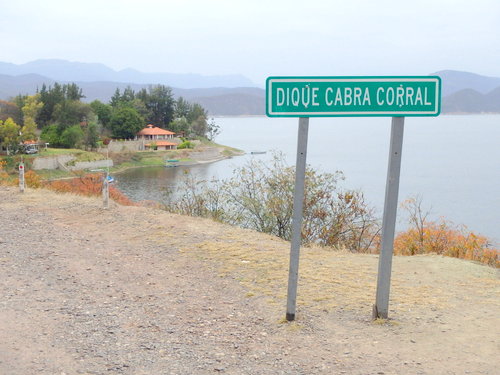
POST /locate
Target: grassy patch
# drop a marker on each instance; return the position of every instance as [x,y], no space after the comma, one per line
[59,151]
[329,280]
[53,174]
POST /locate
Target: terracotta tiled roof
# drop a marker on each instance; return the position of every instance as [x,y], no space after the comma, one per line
[30,142]
[162,143]
[154,130]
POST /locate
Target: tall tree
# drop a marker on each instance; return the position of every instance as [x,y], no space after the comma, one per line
[126,122]
[31,108]
[160,104]
[196,111]
[91,136]
[182,107]
[115,99]
[50,98]
[197,117]
[103,112]
[128,95]
[10,109]
[73,92]
[9,135]
[71,112]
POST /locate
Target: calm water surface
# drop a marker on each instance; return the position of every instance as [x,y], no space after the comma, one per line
[453,162]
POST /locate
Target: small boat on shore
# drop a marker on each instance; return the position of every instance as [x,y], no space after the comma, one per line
[257,152]
[172,163]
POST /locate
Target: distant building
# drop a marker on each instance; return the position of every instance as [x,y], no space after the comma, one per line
[157,138]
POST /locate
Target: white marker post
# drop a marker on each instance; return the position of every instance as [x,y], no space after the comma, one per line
[105,192]
[21,177]
[298,203]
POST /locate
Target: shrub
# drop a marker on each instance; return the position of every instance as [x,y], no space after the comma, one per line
[72,137]
[50,135]
[88,185]
[259,196]
[424,237]
[32,180]
[185,144]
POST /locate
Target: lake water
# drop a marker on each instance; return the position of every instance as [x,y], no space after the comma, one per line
[452,162]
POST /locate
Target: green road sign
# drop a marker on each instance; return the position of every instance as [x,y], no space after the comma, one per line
[353,96]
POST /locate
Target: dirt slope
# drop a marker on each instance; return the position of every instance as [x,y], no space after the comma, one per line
[134,290]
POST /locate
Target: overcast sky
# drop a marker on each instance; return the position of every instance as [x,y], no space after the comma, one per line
[258,38]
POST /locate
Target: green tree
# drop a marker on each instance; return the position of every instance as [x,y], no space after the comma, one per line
[128,96]
[9,135]
[71,112]
[115,99]
[50,98]
[72,137]
[30,110]
[197,118]
[160,104]
[10,109]
[196,111]
[51,135]
[103,112]
[91,136]
[73,92]
[199,126]
[180,125]
[126,122]
[182,108]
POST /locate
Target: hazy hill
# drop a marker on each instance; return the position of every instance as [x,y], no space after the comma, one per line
[454,81]
[237,104]
[471,101]
[62,70]
[24,84]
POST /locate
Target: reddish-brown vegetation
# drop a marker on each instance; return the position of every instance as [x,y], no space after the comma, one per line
[89,185]
[5,178]
[31,179]
[441,238]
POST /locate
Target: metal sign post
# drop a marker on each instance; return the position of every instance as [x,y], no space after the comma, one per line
[381,307]
[21,177]
[298,202]
[393,96]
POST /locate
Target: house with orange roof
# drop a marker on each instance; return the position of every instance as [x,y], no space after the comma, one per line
[157,138]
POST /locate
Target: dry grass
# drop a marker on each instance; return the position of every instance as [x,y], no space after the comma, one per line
[332,279]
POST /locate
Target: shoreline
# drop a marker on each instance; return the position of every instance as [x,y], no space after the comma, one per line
[179,164]
[150,159]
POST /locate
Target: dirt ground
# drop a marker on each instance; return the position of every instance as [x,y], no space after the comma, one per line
[135,290]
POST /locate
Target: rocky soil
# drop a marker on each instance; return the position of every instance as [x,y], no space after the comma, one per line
[134,290]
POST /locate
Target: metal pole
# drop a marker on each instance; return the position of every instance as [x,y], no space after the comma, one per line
[298,202]
[381,307]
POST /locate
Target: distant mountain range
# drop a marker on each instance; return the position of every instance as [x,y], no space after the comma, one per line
[62,70]
[225,95]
